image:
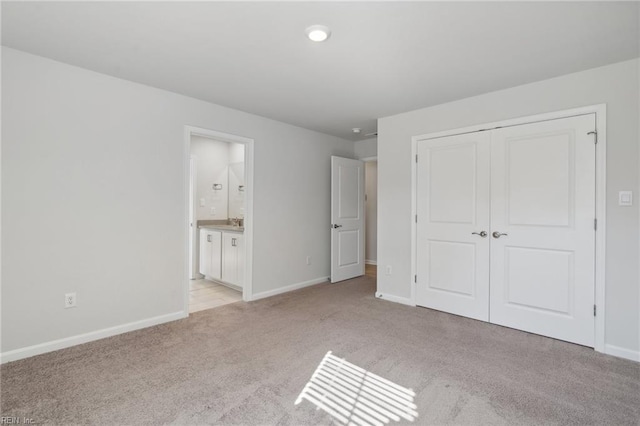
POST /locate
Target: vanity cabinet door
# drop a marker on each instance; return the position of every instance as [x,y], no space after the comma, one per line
[205,253]
[232,258]
[216,255]
[210,253]
[239,259]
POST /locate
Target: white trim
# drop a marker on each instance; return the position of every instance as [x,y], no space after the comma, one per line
[600,112]
[597,109]
[601,215]
[412,219]
[391,298]
[369,160]
[79,339]
[621,352]
[224,283]
[247,288]
[289,288]
[193,230]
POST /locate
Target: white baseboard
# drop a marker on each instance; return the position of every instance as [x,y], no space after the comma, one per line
[226,284]
[396,299]
[288,288]
[67,342]
[371,262]
[622,352]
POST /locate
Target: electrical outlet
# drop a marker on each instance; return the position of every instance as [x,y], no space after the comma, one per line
[70,300]
[308,260]
[213,211]
[389,270]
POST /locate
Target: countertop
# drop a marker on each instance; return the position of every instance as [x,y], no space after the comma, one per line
[228,228]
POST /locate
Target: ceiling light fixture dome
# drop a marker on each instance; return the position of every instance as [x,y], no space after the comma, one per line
[318,32]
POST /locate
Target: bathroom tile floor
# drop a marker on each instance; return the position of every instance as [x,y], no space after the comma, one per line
[205,294]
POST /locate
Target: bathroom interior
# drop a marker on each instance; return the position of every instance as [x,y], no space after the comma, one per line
[217,211]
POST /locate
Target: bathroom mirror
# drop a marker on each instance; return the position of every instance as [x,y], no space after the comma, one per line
[236,190]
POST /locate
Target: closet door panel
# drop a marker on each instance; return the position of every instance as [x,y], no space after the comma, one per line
[543,204]
[452,204]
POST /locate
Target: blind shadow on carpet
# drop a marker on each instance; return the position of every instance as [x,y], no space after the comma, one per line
[355,396]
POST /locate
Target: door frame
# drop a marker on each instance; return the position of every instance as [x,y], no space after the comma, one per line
[189,131]
[193,237]
[368,160]
[600,112]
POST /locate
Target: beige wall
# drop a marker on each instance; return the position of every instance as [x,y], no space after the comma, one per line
[366,148]
[94,199]
[617,86]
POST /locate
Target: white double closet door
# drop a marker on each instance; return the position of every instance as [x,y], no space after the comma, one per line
[505,228]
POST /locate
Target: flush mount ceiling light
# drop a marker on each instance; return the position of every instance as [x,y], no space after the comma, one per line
[356,130]
[318,32]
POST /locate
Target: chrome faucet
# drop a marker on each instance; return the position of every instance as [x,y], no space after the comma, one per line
[236,221]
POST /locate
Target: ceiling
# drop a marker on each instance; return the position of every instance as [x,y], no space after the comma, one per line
[383,58]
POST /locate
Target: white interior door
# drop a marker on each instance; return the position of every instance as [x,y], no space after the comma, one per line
[532,189]
[453,225]
[347,218]
[543,202]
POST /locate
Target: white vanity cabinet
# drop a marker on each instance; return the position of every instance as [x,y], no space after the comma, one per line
[211,253]
[222,256]
[233,258]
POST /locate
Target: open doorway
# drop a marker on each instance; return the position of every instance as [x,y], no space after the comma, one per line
[371,215]
[219,219]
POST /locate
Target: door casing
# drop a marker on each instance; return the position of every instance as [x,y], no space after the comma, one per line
[247,289]
[600,111]
[193,234]
[367,222]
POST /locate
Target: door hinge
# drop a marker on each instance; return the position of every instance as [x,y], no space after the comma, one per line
[416,158]
[416,218]
[415,278]
[595,136]
[594,310]
[595,224]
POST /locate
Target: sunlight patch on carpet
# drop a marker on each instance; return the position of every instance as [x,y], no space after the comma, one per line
[354,396]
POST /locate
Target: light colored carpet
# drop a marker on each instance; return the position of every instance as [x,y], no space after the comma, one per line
[247,363]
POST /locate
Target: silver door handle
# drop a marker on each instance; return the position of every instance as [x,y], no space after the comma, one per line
[497,234]
[336,226]
[481,233]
